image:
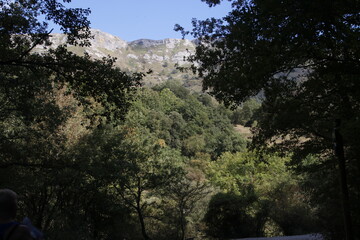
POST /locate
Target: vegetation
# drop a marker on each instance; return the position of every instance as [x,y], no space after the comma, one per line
[260,197]
[94,156]
[140,55]
[303,57]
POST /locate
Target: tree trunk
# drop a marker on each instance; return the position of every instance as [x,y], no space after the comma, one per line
[182,223]
[142,223]
[339,152]
[139,210]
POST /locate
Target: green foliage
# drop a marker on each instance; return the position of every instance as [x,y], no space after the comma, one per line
[84,173]
[303,56]
[247,114]
[48,103]
[147,167]
[175,87]
[180,121]
[318,176]
[238,172]
[185,122]
[70,197]
[291,210]
[260,196]
[228,216]
[183,198]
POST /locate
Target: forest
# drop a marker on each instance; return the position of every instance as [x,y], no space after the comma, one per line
[95,155]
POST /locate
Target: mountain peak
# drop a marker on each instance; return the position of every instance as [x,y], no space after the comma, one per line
[169,42]
[107,41]
[139,55]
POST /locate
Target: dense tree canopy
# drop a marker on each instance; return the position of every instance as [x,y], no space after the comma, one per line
[260,197]
[32,83]
[95,159]
[260,39]
[302,57]
[26,73]
[48,102]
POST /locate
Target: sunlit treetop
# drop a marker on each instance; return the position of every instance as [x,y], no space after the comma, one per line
[24,26]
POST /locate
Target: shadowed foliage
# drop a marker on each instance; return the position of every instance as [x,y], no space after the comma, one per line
[303,58]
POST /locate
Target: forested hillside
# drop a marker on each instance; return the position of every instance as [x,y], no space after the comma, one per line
[313,114]
[99,147]
[154,174]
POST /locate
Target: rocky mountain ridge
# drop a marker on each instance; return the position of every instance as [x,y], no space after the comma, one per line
[160,56]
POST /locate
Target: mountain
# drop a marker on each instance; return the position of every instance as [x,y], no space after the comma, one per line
[140,55]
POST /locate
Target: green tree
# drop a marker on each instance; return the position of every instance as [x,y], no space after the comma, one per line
[266,192]
[304,57]
[247,113]
[200,132]
[175,86]
[48,102]
[29,81]
[185,124]
[228,216]
[241,171]
[185,194]
[147,167]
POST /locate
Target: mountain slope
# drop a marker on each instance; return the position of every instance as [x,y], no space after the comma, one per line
[141,55]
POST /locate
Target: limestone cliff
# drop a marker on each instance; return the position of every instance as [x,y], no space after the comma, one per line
[141,55]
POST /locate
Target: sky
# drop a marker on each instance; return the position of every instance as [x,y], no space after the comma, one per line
[151,19]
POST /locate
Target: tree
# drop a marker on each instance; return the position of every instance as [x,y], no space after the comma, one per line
[185,194]
[304,57]
[29,80]
[45,99]
[147,167]
[266,193]
[185,124]
[21,31]
[246,114]
[228,216]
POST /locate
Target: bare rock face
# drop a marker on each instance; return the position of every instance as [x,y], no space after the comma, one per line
[107,41]
[146,43]
[160,56]
[100,40]
[169,43]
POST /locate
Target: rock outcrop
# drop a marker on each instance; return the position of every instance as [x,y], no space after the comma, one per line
[160,56]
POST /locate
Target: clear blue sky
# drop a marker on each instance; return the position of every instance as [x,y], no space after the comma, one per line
[152,19]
